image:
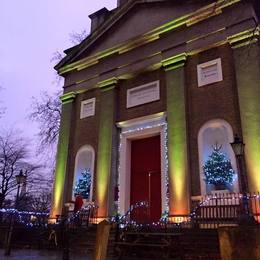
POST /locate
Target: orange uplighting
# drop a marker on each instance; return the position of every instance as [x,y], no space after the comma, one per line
[178,219]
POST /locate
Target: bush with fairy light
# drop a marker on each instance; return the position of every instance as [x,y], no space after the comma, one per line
[83,185]
[218,169]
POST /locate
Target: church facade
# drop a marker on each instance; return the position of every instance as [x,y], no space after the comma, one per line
[147,95]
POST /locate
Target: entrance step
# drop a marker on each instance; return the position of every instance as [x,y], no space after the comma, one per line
[187,244]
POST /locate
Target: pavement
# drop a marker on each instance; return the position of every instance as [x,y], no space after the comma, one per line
[29,254]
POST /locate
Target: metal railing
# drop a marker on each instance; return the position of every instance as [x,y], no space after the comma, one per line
[85,216]
[137,214]
[224,209]
[27,218]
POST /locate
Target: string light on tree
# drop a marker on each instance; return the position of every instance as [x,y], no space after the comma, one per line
[218,169]
[83,185]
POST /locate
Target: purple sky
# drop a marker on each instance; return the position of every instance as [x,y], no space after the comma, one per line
[31,31]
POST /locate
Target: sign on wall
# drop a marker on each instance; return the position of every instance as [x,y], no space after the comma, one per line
[209,72]
[143,94]
[87,108]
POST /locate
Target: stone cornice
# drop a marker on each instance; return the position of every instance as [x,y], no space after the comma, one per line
[169,59]
[68,98]
[210,10]
[186,20]
[174,62]
[244,38]
[107,84]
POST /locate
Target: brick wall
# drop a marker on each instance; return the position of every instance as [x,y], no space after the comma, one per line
[214,101]
[146,109]
[83,132]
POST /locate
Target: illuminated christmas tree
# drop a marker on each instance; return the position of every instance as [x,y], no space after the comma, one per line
[83,185]
[218,169]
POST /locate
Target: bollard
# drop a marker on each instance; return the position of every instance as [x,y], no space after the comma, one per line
[103,230]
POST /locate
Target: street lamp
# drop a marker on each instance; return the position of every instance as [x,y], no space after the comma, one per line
[20,179]
[239,147]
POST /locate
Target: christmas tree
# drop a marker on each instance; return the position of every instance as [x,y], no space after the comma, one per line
[218,169]
[83,185]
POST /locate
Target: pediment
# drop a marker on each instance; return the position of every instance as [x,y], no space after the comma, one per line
[141,18]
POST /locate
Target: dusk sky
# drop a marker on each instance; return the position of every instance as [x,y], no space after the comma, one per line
[31,31]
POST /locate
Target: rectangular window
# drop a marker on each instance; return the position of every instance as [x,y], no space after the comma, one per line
[87,108]
[209,72]
[143,94]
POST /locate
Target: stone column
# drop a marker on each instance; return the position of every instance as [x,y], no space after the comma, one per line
[105,147]
[247,56]
[62,155]
[177,137]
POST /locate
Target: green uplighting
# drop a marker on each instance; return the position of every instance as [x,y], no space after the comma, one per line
[104,149]
[248,78]
[177,147]
[62,154]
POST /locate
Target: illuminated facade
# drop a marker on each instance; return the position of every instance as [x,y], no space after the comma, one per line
[147,94]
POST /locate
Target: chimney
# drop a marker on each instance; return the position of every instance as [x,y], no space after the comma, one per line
[98,18]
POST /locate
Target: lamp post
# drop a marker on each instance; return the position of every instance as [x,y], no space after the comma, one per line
[238,148]
[20,179]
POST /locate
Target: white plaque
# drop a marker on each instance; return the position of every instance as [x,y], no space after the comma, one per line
[143,94]
[87,108]
[209,72]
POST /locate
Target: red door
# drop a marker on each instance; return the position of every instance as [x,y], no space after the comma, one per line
[146,176]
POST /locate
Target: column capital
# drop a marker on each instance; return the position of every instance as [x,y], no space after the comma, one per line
[244,38]
[68,97]
[174,62]
[108,84]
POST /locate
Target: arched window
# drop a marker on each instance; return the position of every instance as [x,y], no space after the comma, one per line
[216,131]
[84,165]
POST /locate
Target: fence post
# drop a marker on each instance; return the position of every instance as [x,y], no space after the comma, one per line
[9,236]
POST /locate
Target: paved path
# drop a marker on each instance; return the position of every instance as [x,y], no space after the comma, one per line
[27,254]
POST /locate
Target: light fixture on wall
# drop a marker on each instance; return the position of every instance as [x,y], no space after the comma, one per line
[239,148]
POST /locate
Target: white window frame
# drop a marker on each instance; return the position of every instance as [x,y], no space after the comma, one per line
[92,112]
[150,99]
[85,148]
[219,76]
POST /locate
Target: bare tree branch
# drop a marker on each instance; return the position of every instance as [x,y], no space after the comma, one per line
[77,38]
[14,156]
[47,112]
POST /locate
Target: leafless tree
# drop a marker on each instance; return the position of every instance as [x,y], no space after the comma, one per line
[41,202]
[77,38]
[14,156]
[47,112]
[36,191]
[37,201]
[47,109]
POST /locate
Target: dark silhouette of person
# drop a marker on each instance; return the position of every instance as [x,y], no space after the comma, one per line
[78,203]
